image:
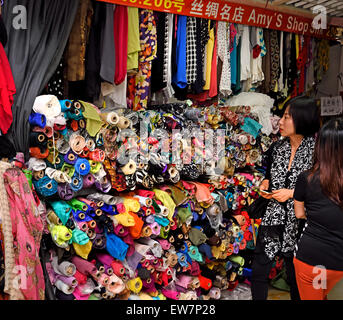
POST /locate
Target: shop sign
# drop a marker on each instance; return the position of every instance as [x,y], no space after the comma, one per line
[234,13]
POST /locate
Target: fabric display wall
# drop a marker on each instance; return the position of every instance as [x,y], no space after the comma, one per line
[111,199]
[145,229]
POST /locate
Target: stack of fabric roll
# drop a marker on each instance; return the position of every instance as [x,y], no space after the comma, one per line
[121,228]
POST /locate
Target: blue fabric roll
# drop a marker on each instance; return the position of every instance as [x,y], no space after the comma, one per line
[161,221]
[70,157]
[82,166]
[109,209]
[65,105]
[62,210]
[206,249]
[116,247]
[45,186]
[76,183]
[37,119]
[78,219]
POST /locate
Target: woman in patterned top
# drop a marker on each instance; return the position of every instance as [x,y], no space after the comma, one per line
[286,159]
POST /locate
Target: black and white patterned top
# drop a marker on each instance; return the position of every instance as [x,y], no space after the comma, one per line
[279,226]
[191,50]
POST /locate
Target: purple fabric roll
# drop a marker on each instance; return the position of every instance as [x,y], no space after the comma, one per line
[88,180]
[65,192]
[67,158]
[105,258]
[70,281]
[99,242]
[134,260]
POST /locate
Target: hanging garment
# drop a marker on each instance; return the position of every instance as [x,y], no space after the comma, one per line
[56,85]
[139,85]
[120,20]
[223,39]
[280,81]
[167,68]
[157,67]
[5,216]
[93,53]
[275,60]
[257,75]
[233,53]
[201,40]
[76,49]
[191,52]
[266,61]
[107,49]
[7,92]
[245,54]
[180,78]
[27,228]
[3,32]
[214,84]
[208,56]
[133,46]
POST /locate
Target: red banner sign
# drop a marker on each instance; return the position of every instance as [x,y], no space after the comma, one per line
[233,12]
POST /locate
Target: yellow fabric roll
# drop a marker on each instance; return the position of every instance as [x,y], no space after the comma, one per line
[125,219]
[83,251]
[131,204]
[135,285]
[167,201]
[209,55]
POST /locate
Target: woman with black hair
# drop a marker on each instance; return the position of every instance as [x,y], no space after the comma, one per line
[319,199]
[286,159]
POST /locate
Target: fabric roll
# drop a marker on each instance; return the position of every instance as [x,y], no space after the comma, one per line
[65,192]
[88,181]
[37,119]
[134,260]
[111,118]
[82,166]
[84,266]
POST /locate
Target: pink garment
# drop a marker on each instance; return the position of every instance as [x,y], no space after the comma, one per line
[27,229]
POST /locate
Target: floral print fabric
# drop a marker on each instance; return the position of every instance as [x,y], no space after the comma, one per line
[27,228]
[139,84]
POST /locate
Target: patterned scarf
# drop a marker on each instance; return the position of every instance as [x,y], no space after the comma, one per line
[282,215]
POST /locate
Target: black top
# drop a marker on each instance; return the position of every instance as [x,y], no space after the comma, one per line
[322,239]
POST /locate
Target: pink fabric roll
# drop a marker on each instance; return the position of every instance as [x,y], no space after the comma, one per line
[165,244]
[84,266]
[171,294]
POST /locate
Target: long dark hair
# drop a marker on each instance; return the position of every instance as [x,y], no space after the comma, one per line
[328,160]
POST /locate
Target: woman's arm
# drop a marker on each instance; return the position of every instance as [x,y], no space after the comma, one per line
[299,209]
[282,195]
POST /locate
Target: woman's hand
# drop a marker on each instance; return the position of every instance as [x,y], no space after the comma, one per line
[282,195]
[265,186]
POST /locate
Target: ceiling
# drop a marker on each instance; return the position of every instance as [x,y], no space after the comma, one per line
[334,7]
